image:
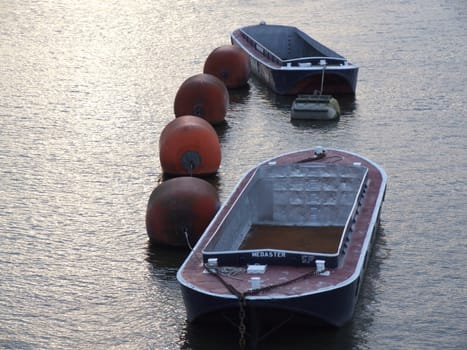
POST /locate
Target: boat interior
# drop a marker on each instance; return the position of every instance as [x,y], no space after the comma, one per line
[299,45]
[290,214]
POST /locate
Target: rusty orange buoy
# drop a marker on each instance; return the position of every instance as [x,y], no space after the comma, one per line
[202,95]
[230,64]
[189,145]
[179,210]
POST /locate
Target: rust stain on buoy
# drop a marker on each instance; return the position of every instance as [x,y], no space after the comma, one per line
[179,210]
[202,95]
[230,64]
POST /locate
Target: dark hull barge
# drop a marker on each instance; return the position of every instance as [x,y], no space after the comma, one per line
[290,244]
[290,62]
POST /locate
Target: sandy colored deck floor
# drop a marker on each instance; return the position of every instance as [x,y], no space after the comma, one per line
[317,239]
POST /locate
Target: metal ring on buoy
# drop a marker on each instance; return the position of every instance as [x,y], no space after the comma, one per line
[189,145]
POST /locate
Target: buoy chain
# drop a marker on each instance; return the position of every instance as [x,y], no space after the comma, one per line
[185,231]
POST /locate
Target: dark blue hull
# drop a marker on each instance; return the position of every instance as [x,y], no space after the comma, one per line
[331,308]
[336,82]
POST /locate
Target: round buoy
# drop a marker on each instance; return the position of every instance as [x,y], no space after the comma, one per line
[179,210]
[189,145]
[202,95]
[230,64]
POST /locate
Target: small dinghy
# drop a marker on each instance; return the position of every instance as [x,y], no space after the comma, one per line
[290,244]
[315,107]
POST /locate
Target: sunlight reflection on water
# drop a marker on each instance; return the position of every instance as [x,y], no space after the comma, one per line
[90,85]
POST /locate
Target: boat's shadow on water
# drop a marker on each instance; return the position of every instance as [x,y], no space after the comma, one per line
[293,337]
[316,124]
[300,337]
[240,95]
[165,261]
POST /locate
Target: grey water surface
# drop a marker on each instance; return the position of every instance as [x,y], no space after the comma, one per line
[86,88]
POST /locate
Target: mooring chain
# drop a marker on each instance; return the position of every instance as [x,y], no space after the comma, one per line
[230,271]
[242,296]
[242,304]
[241,324]
[259,290]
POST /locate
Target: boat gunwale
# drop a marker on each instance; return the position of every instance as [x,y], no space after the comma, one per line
[273,61]
[345,232]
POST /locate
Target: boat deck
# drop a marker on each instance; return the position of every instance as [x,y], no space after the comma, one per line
[193,272]
[321,239]
[268,43]
[274,40]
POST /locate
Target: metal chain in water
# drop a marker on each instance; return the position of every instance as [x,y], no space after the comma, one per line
[242,299]
[241,324]
[185,231]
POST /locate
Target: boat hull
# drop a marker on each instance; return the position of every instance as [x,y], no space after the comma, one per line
[331,308]
[304,81]
[334,307]
[303,75]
